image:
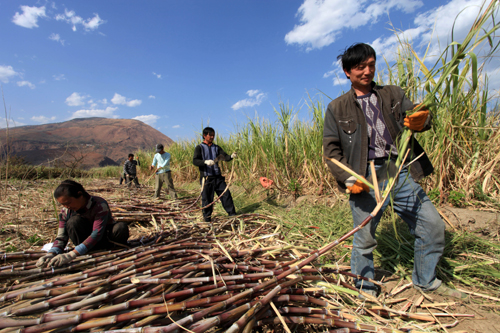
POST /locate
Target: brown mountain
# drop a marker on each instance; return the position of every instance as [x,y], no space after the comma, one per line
[87,142]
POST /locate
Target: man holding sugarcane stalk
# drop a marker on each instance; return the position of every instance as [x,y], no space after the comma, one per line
[206,157]
[362,127]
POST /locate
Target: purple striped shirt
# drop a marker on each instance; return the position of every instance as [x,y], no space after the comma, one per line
[97,211]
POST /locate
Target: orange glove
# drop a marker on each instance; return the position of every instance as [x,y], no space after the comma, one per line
[356,186]
[416,121]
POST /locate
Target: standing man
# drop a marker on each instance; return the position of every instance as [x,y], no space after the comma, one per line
[363,125]
[130,171]
[206,157]
[163,175]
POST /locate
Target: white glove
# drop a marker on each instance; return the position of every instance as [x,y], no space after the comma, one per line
[62,259]
[209,162]
[43,260]
[234,155]
[350,181]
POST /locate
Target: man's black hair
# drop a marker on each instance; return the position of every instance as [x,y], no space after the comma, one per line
[130,155]
[208,130]
[70,188]
[356,54]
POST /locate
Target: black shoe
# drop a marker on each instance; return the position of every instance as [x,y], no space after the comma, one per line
[207,220]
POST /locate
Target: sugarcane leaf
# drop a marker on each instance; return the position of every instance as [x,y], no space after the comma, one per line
[473,58]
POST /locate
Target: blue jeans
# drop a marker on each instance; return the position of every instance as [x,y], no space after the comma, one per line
[412,204]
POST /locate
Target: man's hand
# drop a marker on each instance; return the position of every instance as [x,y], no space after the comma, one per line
[62,259]
[356,186]
[151,167]
[234,155]
[43,260]
[209,162]
[416,121]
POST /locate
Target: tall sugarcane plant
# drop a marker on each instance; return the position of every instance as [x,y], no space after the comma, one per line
[450,98]
[455,76]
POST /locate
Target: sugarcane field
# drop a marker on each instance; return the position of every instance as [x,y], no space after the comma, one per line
[379,211]
[254,271]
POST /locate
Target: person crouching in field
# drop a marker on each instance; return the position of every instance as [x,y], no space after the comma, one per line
[87,221]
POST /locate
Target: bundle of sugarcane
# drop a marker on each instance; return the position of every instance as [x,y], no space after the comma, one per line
[196,280]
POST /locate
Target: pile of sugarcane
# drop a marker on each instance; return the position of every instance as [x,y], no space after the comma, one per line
[195,277]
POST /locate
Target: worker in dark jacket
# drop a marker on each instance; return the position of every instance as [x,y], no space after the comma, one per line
[130,171]
[206,157]
[361,126]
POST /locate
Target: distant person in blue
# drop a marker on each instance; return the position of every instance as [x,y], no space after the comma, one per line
[161,161]
[206,157]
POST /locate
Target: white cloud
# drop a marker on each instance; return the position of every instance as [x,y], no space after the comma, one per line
[122,100]
[105,113]
[157,75]
[338,76]
[93,23]
[12,123]
[176,126]
[433,28]
[152,97]
[256,97]
[56,38]
[25,83]
[252,93]
[70,17]
[59,77]
[43,119]
[134,102]
[149,119]
[7,72]
[29,17]
[321,22]
[75,99]
[119,99]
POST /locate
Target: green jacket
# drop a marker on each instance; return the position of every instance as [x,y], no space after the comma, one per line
[345,134]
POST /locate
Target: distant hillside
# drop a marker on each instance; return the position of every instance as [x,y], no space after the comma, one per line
[90,142]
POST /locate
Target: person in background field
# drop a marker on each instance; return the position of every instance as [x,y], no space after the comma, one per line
[130,171]
[362,125]
[206,157]
[163,175]
[87,221]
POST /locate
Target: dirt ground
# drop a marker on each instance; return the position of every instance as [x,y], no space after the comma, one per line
[28,221]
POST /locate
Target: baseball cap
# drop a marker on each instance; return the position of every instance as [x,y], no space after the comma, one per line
[159,147]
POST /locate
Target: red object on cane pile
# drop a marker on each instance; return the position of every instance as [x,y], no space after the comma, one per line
[265,182]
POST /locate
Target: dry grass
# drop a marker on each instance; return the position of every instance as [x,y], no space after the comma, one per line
[27,215]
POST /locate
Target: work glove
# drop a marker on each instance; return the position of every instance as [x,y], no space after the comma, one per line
[416,121]
[209,162]
[43,260]
[356,186]
[62,259]
[234,155]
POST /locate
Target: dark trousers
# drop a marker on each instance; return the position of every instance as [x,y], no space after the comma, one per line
[128,179]
[216,184]
[79,228]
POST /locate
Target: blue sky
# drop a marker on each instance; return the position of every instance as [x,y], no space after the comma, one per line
[179,64]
